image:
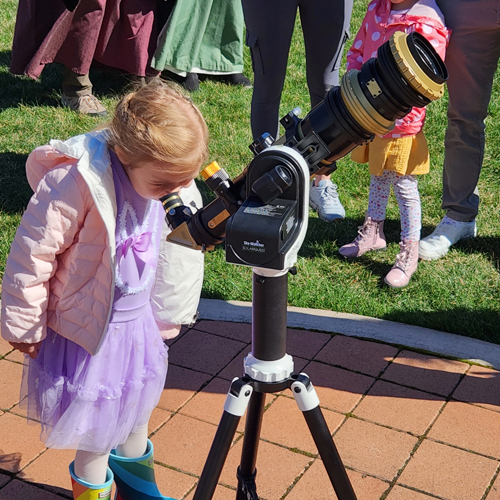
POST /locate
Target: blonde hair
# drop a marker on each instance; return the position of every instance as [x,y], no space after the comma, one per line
[159,124]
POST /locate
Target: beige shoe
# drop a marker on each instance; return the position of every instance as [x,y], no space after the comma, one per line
[85,104]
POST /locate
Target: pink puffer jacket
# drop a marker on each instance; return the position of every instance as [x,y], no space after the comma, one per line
[60,270]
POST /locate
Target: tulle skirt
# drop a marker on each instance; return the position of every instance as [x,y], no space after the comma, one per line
[93,403]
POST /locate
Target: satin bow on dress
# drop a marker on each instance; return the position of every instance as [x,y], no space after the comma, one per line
[139,245]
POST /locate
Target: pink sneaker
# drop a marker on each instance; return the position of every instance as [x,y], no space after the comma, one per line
[370,237]
[406,264]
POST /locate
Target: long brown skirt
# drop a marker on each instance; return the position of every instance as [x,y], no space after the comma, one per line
[119,34]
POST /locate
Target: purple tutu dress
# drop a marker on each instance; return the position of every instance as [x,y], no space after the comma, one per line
[93,403]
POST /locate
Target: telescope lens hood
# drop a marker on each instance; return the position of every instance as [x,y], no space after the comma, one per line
[407,73]
[427,58]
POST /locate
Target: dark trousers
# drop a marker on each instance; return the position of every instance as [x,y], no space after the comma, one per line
[270,24]
[472,57]
[75,85]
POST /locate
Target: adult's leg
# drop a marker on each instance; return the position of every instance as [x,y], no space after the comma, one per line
[326,29]
[471,58]
[269,32]
[75,85]
[77,94]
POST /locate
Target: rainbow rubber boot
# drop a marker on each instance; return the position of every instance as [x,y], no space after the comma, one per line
[135,477]
[88,491]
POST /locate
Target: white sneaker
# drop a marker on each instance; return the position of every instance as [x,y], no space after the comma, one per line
[325,200]
[447,233]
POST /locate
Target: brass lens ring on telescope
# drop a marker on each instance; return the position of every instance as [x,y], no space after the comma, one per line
[411,70]
[359,106]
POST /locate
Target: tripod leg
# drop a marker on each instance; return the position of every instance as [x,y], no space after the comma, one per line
[308,402]
[236,403]
[247,489]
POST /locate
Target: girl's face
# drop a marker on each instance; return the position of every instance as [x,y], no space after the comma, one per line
[151,181]
[403,4]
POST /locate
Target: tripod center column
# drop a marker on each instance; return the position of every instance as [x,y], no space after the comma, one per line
[269,318]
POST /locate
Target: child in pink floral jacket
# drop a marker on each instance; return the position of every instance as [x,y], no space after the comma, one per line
[396,158]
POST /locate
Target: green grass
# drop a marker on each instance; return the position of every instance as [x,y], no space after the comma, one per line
[459,293]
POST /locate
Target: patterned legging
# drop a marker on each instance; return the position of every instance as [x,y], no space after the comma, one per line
[406,191]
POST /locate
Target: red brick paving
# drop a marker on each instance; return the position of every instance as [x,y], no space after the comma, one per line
[408,426]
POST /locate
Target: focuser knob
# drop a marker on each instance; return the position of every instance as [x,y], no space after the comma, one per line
[261,143]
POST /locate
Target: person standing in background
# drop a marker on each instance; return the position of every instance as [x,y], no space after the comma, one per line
[325,26]
[397,158]
[202,39]
[472,59]
[119,34]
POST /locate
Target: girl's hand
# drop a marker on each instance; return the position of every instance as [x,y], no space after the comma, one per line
[168,331]
[31,350]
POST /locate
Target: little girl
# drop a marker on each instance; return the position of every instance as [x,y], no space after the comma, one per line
[91,286]
[400,155]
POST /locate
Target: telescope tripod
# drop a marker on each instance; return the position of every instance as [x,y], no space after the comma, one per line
[268,369]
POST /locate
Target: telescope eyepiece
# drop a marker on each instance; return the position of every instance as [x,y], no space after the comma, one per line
[175,211]
[270,185]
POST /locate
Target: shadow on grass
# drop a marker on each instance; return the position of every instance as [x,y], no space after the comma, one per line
[46,90]
[15,191]
[485,321]
[324,240]
[18,90]
[489,246]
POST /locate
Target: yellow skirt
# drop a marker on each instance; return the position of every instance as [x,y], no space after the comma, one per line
[403,155]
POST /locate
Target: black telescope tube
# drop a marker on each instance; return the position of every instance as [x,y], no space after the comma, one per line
[385,103]
[407,73]
[335,124]
[398,87]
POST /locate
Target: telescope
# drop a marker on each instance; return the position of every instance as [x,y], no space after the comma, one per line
[263,211]
[262,214]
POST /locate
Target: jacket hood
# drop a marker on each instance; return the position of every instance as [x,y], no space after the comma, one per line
[86,150]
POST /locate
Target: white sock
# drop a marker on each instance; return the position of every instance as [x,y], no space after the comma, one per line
[136,444]
[91,467]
